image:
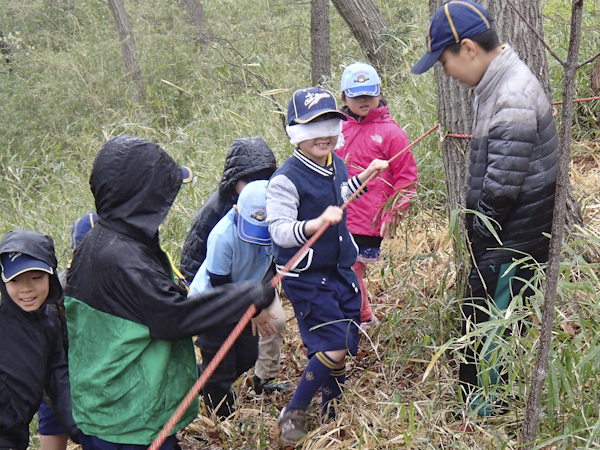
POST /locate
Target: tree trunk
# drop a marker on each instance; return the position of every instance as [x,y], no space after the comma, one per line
[128,47]
[595,81]
[366,23]
[563,187]
[198,19]
[319,41]
[455,112]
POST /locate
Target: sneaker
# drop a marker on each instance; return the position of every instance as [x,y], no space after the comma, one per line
[290,426]
[269,386]
[371,323]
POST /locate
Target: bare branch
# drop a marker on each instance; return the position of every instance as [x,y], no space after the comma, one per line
[536,33]
[587,61]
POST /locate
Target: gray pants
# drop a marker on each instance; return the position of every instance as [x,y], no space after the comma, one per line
[269,347]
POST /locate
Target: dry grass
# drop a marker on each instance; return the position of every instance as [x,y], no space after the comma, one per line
[387,403]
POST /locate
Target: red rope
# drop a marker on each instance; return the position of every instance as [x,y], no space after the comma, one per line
[578,100]
[208,371]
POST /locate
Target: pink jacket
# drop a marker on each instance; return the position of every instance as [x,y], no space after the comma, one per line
[377,136]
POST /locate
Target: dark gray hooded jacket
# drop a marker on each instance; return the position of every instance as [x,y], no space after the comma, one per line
[249,159]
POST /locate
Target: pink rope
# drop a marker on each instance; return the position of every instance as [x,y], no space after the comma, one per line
[208,371]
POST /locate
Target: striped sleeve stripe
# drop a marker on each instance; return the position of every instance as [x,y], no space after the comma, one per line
[299,232]
[354,184]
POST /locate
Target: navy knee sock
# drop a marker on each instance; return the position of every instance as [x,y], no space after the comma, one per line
[317,371]
[331,392]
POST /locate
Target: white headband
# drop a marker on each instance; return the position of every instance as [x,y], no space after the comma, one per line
[304,131]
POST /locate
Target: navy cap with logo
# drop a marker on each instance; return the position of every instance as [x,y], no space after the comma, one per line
[453,22]
[310,103]
[16,263]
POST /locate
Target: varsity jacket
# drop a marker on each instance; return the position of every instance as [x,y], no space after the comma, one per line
[513,163]
[131,356]
[377,136]
[32,358]
[300,190]
[246,157]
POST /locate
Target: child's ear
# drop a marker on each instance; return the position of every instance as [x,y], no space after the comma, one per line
[470,47]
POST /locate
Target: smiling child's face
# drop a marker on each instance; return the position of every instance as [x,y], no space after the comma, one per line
[29,290]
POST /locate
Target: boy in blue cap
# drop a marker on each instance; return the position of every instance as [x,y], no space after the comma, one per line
[303,195]
[512,172]
[32,359]
[238,249]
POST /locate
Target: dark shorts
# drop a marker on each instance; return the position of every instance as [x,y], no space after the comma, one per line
[328,314]
[95,443]
[47,423]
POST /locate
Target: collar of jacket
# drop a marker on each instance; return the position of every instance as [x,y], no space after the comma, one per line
[494,72]
[375,115]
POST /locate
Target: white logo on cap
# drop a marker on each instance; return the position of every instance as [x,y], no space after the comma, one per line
[312,99]
[14,256]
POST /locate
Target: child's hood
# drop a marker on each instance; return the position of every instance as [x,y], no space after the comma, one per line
[134,183]
[39,246]
[245,157]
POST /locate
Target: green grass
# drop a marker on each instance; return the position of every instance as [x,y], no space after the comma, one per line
[67,94]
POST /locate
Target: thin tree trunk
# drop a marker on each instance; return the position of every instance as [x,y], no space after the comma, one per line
[563,184]
[595,78]
[366,23]
[319,42]
[128,48]
[198,19]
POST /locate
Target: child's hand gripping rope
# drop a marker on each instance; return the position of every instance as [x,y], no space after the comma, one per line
[371,172]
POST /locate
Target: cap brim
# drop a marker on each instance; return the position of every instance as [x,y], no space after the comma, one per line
[187,173]
[427,61]
[25,263]
[254,234]
[359,91]
[313,115]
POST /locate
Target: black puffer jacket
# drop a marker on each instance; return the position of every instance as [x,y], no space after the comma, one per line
[32,358]
[249,159]
[513,163]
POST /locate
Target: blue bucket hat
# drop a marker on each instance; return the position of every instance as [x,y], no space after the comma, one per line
[251,217]
[453,22]
[360,79]
[310,103]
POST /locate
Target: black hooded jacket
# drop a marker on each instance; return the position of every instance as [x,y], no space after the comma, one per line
[32,358]
[249,159]
[121,293]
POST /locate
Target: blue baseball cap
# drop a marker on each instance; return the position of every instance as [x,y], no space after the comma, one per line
[81,227]
[187,174]
[251,218]
[308,103]
[453,22]
[16,263]
[360,79]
